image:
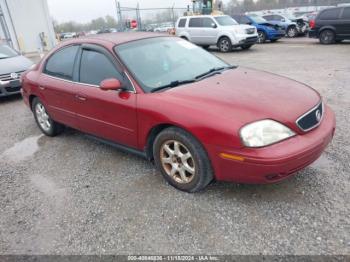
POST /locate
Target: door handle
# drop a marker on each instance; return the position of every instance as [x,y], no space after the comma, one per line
[81,98]
[41,87]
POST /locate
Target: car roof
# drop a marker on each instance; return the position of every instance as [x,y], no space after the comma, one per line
[115,38]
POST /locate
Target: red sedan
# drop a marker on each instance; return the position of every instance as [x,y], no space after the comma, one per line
[170,101]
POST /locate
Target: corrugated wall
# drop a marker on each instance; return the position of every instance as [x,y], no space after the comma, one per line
[26,19]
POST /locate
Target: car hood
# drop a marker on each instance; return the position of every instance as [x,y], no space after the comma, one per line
[14,64]
[245,95]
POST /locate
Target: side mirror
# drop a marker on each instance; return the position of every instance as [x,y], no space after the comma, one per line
[110,84]
[213,25]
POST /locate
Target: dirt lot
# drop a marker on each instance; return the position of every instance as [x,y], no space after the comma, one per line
[73,195]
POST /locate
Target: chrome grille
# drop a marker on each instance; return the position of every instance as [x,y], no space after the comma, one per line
[7,77]
[311,119]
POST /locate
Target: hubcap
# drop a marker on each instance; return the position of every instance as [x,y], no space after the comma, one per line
[327,36]
[177,161]
[224,45]
[292,32]
[42,117]
[260,37]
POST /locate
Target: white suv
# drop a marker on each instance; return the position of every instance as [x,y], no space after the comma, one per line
[220,30]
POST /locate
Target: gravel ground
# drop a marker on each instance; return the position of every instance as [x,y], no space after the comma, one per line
[73,195]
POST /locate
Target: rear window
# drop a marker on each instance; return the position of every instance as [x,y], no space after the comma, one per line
[182,22]
[330,14]
[195,22]
[346,13]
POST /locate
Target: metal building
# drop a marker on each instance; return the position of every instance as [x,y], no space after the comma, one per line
[26,25]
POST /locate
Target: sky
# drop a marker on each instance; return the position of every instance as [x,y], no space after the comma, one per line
[84,10]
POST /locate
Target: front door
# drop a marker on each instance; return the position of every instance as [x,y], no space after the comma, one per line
[107,114]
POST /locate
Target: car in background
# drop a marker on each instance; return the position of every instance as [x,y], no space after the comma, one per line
[266,30]
[331,25]
[70,35]
[107,31]
[293,27]
[220,30]
[12,65]
[163,28]
[198,117]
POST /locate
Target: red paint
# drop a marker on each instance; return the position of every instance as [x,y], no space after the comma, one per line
[213,110]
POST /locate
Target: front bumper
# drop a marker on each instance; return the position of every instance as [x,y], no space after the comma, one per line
[10,88]
[276,162]
[250,40]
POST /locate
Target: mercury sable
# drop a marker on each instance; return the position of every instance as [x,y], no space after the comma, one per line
[197,117]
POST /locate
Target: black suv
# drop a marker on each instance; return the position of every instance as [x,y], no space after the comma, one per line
[331,25]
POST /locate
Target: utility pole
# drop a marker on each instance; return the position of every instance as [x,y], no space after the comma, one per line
[119,15]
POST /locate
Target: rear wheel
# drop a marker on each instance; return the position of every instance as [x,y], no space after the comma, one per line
[48,126]
[182,160]
[327,37]
[261,37]
[292,32]
[224,44]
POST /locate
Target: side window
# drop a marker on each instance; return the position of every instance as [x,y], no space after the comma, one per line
[96,67]
[195,22]
[61,63]
[330,14]
[182,22]
[237,18]
[207,22]
[268,17]
[346,13]
[278,18]
[245,20]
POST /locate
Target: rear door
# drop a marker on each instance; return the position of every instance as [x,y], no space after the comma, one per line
[57,87]
[209,31]
[331,17]
[107,114]
[344,25]
[195,29]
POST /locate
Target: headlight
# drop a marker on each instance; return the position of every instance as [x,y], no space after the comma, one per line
[264,133]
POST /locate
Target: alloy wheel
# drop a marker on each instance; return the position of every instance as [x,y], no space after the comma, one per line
[42,117]
[292,32]
[261,37]
[224,45]
[177,161]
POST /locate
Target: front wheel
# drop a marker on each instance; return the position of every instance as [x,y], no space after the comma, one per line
[261,37]
[48,126]
[224,45]
[292,32]
[182,160]
[327,37]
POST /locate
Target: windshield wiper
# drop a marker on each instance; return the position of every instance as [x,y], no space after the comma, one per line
[173,84]
[213,71]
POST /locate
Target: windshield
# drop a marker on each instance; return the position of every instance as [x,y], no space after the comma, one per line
[160,61]
[7,52]
[225,20]
[258,19]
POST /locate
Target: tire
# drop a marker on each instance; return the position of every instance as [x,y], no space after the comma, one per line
[327,37]
[261,37]
[292,32]
[246,47]
[224,44]
[48,126]
[182,160]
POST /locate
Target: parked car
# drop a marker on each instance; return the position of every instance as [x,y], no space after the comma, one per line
[219,30]
[292,28]
[69,35]
[331,25]
[244,125]
[12,65]
[107,31]
[266,30]
[167,27]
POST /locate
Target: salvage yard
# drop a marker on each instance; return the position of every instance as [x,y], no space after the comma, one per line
[73,195]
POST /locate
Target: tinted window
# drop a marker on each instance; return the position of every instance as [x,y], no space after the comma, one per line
[182,22]
[195,22]
[330,14]
[268,17]
[61,63]
[245,20]
[207,22]
[237,18]
[346,13]
[96,67]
